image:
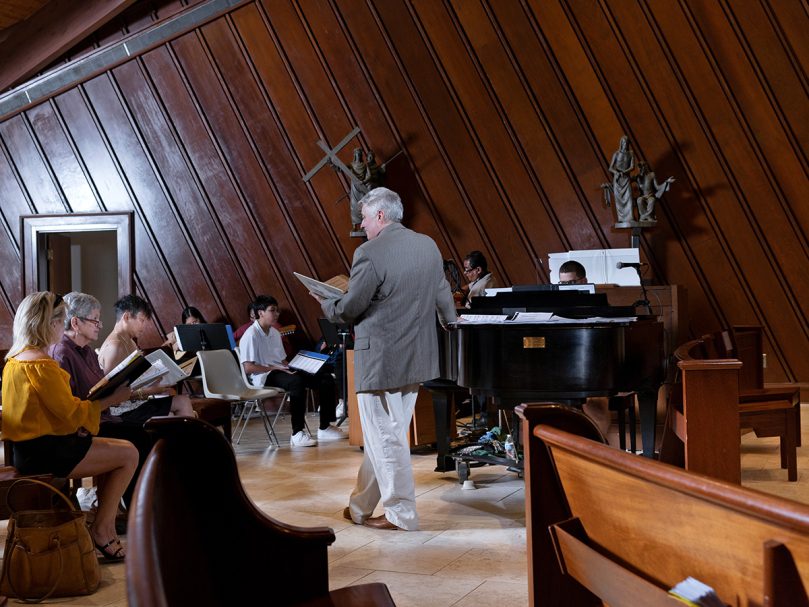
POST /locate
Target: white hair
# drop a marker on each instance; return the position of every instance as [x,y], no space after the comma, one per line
[79,305]
[385,200]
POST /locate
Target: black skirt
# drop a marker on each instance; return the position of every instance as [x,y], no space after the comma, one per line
[49,454]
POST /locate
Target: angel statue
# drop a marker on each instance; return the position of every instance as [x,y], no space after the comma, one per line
[650,191]
[366,175]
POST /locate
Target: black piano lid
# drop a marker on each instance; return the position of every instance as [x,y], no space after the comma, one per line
[568,304]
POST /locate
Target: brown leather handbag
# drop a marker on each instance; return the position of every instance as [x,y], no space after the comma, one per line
[49,553]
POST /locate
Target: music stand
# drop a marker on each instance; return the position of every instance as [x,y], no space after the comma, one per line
[210,336]
[336,336]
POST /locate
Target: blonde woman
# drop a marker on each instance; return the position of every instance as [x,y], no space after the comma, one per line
[47,423]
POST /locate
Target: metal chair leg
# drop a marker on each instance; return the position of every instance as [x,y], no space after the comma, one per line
[268,427]
[247,410]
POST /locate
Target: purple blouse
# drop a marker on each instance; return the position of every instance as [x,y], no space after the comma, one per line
[81,363]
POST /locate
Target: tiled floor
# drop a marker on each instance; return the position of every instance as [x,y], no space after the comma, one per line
[470,550]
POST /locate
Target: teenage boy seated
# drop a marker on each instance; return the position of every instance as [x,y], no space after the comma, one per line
[262,354]
[133,314]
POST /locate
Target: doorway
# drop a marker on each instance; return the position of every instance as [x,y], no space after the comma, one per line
[88,252]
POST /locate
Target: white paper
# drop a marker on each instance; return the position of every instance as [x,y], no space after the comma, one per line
[532,317]
[162,367]
[321,289]
[483,319]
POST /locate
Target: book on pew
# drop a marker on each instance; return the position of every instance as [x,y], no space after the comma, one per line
[130,368]
[695,593]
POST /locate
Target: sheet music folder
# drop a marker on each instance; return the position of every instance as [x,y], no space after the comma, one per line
[321,289]
[132,367]
[309,362]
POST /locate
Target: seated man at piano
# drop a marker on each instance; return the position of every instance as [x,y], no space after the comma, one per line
[261,351]
[476,271]
[572,273]
[605,350]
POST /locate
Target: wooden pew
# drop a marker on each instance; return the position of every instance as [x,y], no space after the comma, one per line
[776,415]
[196,538]
[746,343]
[606,525]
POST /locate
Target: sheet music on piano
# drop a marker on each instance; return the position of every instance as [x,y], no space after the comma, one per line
[484,319]
[524,318]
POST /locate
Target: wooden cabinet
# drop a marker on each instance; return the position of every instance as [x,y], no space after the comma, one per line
[422,426]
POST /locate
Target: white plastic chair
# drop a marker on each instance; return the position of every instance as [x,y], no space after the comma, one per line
[284,400]
[221,379]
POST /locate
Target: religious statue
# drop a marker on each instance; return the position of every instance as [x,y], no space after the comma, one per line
[621,165]
[650,191]
[621,189]
[366,175]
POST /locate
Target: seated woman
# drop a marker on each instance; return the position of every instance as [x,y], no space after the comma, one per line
[74,355]
[476,271]
[189,316]
[45,420]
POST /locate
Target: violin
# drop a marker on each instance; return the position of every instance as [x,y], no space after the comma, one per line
[287,330]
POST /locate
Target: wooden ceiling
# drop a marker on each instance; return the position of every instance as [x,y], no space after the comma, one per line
[14,11]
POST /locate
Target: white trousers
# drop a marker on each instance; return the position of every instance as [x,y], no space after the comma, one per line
[386,472]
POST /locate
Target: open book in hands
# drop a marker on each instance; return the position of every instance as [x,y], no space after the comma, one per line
[164,372]
[139,371]
[334,287]
[123,373]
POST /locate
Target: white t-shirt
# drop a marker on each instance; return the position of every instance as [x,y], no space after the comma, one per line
[262,349]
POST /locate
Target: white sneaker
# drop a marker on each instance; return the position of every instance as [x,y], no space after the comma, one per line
[302,439]
[331,433]
[340,412]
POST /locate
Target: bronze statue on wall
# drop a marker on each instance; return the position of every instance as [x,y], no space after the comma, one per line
[366,175]
[621,191]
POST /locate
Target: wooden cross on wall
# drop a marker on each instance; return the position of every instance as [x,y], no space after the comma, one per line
[331,156]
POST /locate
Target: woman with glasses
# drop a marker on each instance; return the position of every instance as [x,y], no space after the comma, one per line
[476,272]
[45,421]
[75,354]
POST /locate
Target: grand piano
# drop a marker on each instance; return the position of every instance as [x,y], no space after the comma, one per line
[598,350]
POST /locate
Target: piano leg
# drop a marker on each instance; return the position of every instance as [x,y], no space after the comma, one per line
[647,404]
[442,401]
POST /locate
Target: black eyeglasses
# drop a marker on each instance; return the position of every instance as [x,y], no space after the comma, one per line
[97,323]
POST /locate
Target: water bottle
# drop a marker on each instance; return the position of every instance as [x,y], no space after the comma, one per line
[511,450]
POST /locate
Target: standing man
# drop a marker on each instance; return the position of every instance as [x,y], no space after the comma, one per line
[396,286]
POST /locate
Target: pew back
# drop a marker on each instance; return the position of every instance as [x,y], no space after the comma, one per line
[665,524]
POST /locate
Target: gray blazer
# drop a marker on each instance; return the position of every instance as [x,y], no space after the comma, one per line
[396,286]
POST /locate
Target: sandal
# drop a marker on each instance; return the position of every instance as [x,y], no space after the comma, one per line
[108,554]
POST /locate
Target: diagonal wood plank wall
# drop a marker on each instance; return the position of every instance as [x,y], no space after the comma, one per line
[506,113]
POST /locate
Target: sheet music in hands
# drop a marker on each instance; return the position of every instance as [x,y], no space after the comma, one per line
[310,362]
[163,369]
[131,367]
[321,289]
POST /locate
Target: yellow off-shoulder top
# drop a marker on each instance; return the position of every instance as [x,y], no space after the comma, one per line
[37,401]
